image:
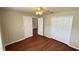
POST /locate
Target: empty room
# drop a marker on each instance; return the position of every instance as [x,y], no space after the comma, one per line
[39,28]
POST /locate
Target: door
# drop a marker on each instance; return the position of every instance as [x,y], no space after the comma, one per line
[61,28]
[1,46]
[40,26]
[27,20]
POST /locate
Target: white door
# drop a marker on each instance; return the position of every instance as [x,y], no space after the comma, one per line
[40,26]
[61,28]
[27,20]
[1,46]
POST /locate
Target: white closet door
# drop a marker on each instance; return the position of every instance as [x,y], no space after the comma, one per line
[40,26]
[27,20]
[61,28]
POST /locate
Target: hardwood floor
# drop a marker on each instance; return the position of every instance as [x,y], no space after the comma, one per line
[39,43]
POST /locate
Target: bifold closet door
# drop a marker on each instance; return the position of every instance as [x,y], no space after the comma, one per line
[40,26]
[28,32]
[61,28]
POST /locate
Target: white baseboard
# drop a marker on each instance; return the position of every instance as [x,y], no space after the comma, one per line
[73,47]
[47,36]
[70,45]
[14,41]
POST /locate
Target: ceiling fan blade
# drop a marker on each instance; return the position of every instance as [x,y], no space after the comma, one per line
[48,11]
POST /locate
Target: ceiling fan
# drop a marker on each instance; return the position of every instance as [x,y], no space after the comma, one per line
[39,11]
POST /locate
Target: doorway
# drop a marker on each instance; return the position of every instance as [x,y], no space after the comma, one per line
[35,26]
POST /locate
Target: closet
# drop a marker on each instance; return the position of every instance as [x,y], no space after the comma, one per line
[61,28]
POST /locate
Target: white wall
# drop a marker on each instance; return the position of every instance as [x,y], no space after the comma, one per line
[12,26]
[75,32]
[74,38]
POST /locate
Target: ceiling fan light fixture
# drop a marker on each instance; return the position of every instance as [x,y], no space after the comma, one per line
[39,11]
